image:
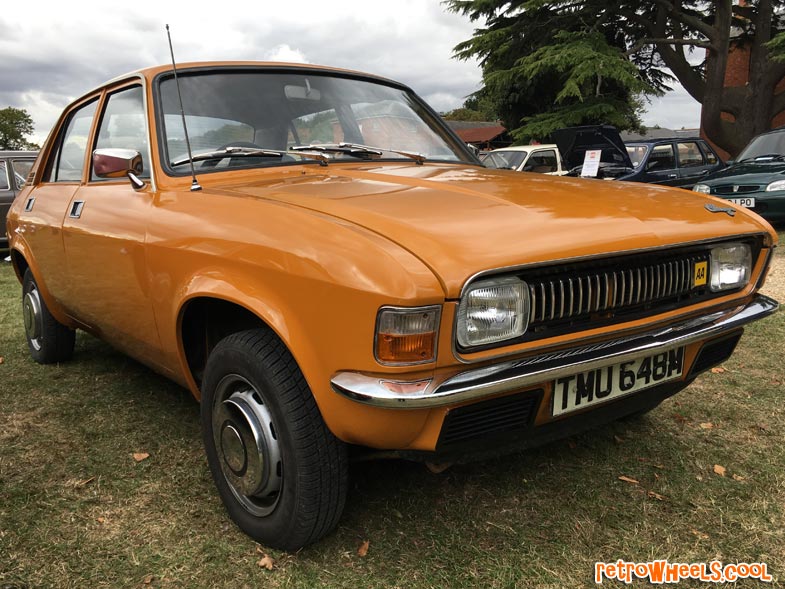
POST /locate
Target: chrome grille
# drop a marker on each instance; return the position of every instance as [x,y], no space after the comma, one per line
[607,291]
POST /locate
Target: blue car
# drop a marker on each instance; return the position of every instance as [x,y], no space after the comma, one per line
[673,161]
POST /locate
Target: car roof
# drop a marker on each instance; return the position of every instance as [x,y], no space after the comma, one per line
[190,66]
[661,140]
[525,147]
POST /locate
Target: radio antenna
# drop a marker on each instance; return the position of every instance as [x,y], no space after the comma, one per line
[194,184]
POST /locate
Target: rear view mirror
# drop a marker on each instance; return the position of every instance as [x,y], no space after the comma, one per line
[302,92]
[116,163]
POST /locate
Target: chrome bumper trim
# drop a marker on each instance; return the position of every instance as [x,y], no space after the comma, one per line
[515,375]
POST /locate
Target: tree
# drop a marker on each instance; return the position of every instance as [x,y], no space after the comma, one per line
[583,41]
[15,125]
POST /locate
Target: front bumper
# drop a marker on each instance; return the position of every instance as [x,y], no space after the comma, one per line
[517,375]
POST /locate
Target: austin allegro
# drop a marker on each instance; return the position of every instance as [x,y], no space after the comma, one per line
[330,271]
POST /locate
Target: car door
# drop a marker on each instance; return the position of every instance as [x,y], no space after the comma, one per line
[692,163]
[58,179]
[661,166]
[7,194]
[104,235]
[542,161]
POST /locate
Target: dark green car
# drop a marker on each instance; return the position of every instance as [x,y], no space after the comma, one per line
[756,179]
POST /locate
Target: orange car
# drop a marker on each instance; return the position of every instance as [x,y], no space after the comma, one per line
[324,264]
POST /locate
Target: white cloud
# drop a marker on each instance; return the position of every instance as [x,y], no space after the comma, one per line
[287,54]
[69,48]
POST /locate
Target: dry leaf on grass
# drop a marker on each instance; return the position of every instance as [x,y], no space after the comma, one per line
[266,562]
[84,482]
[718,370]
[618,439]
[737,478]
[720,470]
[707,425]
[700,535]
[363,549]
[101,520]
[148,579]
[656,496]
[2,359]
[628,480]
[139,456]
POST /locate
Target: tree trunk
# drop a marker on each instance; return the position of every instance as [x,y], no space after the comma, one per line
[752,106]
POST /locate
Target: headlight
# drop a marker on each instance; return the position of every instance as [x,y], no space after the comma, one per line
[776,185]
[407,335]
[730,266]
[492,311]
[702,188]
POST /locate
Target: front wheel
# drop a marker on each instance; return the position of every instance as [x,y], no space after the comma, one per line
[280,472]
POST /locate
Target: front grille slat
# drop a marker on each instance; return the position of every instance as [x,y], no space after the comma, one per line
[583,293]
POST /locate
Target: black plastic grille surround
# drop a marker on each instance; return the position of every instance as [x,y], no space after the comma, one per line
[731,189]
[575,296]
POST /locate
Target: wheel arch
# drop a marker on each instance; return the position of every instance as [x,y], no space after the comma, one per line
[22,261]
[207,316]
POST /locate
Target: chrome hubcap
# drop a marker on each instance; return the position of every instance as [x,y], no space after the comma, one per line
[247,445]
[31,311]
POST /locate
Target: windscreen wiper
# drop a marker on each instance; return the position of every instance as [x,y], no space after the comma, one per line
[358,150]
[769,156]
[230,151]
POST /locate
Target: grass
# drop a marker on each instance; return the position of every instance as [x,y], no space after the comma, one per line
[76,509]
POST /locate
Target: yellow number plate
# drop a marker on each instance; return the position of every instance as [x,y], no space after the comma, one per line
[699,274]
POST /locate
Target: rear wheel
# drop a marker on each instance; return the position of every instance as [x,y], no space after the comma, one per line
[280,472]
[49,340]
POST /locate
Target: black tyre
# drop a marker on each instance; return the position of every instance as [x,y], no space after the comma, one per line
[49,340]
[281,473]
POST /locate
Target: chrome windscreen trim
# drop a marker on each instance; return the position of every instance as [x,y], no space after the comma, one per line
[517,375]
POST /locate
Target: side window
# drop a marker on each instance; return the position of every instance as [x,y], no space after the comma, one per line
[72,146]
[661,158]
[711,157]
[21,171]
[690,155]
[542,161]
[3,177]
[123,126]
[320,127]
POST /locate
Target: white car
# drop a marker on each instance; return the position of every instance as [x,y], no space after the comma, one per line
[544,159]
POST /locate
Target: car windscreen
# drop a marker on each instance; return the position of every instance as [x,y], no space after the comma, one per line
[637,153]
[511,159]
[763,145]
[278,110]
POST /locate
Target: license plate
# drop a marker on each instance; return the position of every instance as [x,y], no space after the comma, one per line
[604,384]
[748,202]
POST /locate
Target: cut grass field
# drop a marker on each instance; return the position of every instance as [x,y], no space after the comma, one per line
[78,510]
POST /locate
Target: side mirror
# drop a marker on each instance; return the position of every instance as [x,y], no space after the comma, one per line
[116,163]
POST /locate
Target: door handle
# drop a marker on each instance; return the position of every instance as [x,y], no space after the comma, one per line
[76,209]
[671,176]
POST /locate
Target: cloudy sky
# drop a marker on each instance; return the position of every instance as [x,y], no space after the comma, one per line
[52,52]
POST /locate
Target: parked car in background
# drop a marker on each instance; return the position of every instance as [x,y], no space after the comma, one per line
[756,179]
[14,168]
[574,142]
[675,161]
[544,159]
[327,267]
[669,161]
